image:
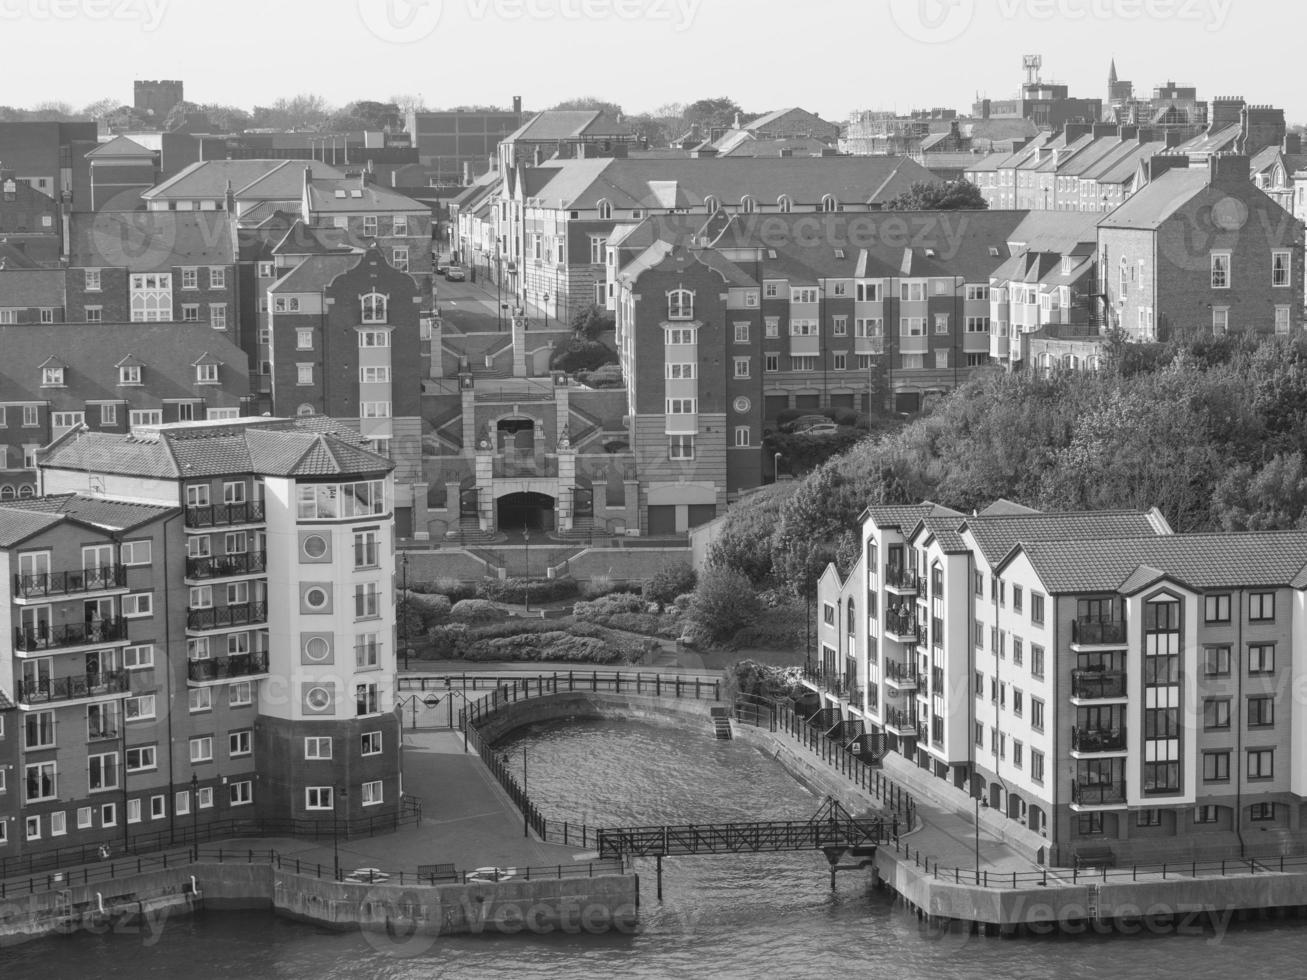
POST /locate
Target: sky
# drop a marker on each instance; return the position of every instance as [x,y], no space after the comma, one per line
[832,57]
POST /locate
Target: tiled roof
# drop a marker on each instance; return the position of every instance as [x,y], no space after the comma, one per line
[114,515]
[286,183]
[26,288]
[1201,561]
[13,257]
[305,239]
[1150,206]
[359,196]
[152,241]
[563,124]
[120,146]
[905,516]
[314,273]
[1006,508]
[945,531]
[1211,142]
[5,703]
[996,535]
[17,526]
[208,179]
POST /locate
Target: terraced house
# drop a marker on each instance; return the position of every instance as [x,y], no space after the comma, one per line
[203,623]
[1105,684]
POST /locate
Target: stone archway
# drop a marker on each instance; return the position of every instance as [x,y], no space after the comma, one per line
[534,512]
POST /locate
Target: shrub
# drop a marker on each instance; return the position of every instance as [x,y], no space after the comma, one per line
[608,376]
[682,602]
[669,582]
[573,354]
[447,642]
[518,590]
[605,606]
[428,610]
[724,603]
[476,611]
[601,585]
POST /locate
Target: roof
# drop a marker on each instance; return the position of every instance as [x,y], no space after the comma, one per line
[1212,141]
[13,257]
[21,519]
[286,182]
[1059,232]
[1200,561]
[315,272]
[5,703]
[1150,206]
[353,194]
[905,517]
[120,146]
[152,241]
[269,447]
[25,288]
[305,239]
[564,124]
[996,534]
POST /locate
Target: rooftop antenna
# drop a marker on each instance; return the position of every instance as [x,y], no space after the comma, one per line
[1031,64]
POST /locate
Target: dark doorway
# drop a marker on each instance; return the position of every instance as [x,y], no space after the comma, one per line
[534,511]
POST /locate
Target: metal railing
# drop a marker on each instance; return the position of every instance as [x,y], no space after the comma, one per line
[1098,739]
[1097,794]
[904,626]
[220,617]
[47,637]
[902,579]
[73,688]
[224,515]
[45,584]
[222,566]
[220,668]
[900,720]
[904,675]
[1093,632]
[1090,685]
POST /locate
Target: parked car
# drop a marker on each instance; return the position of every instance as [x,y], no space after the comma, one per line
[455,273]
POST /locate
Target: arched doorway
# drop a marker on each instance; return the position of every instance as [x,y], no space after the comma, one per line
[532,511]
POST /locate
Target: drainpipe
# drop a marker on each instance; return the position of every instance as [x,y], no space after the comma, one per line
[1237,719]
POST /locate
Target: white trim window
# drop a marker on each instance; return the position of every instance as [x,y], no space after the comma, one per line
[680,304]
[1220,270]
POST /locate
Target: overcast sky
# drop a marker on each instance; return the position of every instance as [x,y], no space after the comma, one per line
[830,56]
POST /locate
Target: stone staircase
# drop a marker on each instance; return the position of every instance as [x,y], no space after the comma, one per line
[721,719]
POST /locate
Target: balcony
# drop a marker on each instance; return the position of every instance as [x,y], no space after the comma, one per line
[900,722]
[46,637]
[1098,794]
[904,629]
[226,668]
[902,676]
[904,581]
[78,688]
[47,584]
[1097,685]
[840,685]
[224,515]
[1091,633]
[226,566]
[226,617]
[1093,740]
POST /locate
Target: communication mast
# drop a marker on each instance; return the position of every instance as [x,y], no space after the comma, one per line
[1032,63]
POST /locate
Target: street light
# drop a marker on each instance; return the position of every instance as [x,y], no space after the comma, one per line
[546,308]
[979,803]
[526,820]
[776,467]
[526,556]
[403,622]
[195,808]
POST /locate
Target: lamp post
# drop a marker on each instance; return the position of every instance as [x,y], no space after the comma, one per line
[526,820]
[335,829]
[526,557]
[403,612]
[979,803]
[776,467]
[546,309]
[195,808]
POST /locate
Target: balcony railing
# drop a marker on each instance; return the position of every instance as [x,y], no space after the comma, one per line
[72,688]
[837,684]
[904,628]
[223,566]
[224,515]
[70,583]
[1090,685]
[221,617]
[46,637]
[1094,633]
[1097,794]
[1098,740]
[903,722]
[903,675]
[902,579]
[221,668]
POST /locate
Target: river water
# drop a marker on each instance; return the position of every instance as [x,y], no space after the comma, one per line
[721,917]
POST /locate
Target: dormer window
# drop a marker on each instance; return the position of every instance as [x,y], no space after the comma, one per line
[710,205]
[129,374]
[605,210]
[748,205]
[680,305]
[374,308]
[206,373]
[52,377]
[829,204]
[784,204]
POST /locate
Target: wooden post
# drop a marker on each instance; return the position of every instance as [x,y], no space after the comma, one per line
[660,877]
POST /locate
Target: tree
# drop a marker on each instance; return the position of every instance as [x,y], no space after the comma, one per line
[572,354]
[723,604]
[304,111]
[413,102]
[716,113]
[952,195]
[669,582]
[590,102]
[591,321]
[101,108]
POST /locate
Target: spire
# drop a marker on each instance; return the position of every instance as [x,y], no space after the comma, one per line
[1111,74]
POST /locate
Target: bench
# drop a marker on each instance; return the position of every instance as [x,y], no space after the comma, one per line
[434,873]
[1095,857]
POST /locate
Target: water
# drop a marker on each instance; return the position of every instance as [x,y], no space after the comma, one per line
[722,917]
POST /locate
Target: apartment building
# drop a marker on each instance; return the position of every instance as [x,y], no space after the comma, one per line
[204,634]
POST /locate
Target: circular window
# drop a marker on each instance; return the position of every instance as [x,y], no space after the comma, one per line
[315,546]
[741,404]
[317,649]
[315,598]
[318,698]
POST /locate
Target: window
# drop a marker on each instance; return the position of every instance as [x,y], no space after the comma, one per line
[204,798]
[240,794]
[304,339]
[680,371]
[135,553]
[370,743]
[240,695]
[399,258]
[102,771]
[366,699]
[912,292]
[840,326]
[771,363]
[129,374]
[681,406]
[1018,703]
[141,759]
[367,600]
[140,708]
[741,333]
[206,374]
[66,420]
[41,781]
[1261,711]
[372,793]
[285,304]
[367,651]
[1216,713]
[1037,608]
[1280,265]
[1261,658]
[680,305]
[92,284]
[1220,270]
[1037,714]
[1261,607]
[317,747]
[1205,814]
[772,326]
[803,363]
[1217,608]
[1216,662]
[374,310]
[158,807]
[202,748]
[1037,766]
[318,798]
[374,375]
[190,278]
[1261,763]
[366,545]
[58,824]
[190,313]
[374,410]
[239,744]
[1283,320]
[680,447]
[304,374]
[840,361]
[977,324]
[95,314]
[912,326]
[1152,817]
[941,323]
[52,377]
[741,367]
[1220,320]
[39,730]
[370,226]
[1260,812]
[138,604]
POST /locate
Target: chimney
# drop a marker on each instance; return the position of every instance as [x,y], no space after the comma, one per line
[1260,126]
[1225,112]
[1099,130]
[1225,169]
[230,199]
[517,105]
[1292,143]
[1129,133]
[1158,165]
[1174,137]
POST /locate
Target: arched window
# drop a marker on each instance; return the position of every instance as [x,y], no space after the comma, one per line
[828,203]
[8,493]
[605,210]
[784,204]
[304,410]
[1123,279]
[27,490]
[853,619]
[710,204]
[374,308]
[748,205]
[680,305]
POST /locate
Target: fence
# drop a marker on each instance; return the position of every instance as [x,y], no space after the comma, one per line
[867,777]
[113,870]
[519,689]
